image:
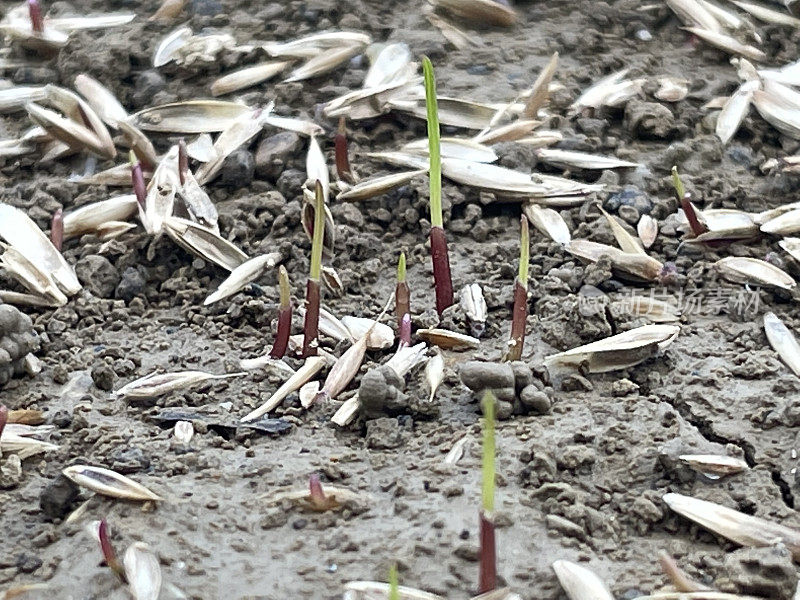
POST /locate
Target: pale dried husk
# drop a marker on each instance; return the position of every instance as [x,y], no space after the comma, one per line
[101,99]
[315,44]
[161,192]
[448,340]
[714,466]
[783,342]
[672,89]
[310,368]
[159,384]
[549,222]
[140,144]
[142,571]
[73,134]
[579,582]
[434,373]
[24,236]
[735,110]
[240,132]
[741,269]
[785,224]
[566,159]
[745,530]
[91,217]
[647,228]
[618,351]
[450,147]
[479,11]
[204,243]
[728,44]
[108,483]
[248,77]
[192,116]
[367,103]
[452,111]
[768,15]
[473,303]
[626,240]
[627,265]
[379,335]
[391,65]
[242,275]
[325,62]
[347,412]
[377,186]
[407,358]
[657,311]
[197,202]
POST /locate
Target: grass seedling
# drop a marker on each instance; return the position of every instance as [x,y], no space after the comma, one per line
[698,227]
[35,13]
[284,316]
[311,324]
[57,229]
[109,555]
[343,170]
[137,180]
[488,552]
[520,311]
[402,301]
[441,261]
[394,583]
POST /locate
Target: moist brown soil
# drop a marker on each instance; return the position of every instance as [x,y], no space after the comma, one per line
[583,482]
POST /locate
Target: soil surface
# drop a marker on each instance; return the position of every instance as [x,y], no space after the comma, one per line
[584,481]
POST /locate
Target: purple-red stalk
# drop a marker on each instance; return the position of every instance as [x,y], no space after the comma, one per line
[405,330]
[519,315]
[691,215]
[441,269]
[137,179]
[316,493]
[3,418]
[487,581]
[35,13]
[108,551]
[284,317]
[57,229]
[183,161]
[311,324]
[343,169]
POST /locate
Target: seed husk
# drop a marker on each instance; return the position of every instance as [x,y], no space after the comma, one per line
[108,483]
[451,147]
[657,311]
[596,95]
[567,159]
[647,228]
[792,247]
[73,134]
[161,191]
[310,368]
[745,530]
[728,44]
[313,45]
[376,186]
[448,340]
[626,240]
[380,335]
[672,89]
[183,431]
[24,236]
[365,104]
[140,144]
[347,412]
[480,11]
[512,132]
[579,582]
[618,351]
[198,203]
[15,98]
[238,133]
[693,13]
[434,373]
[474,306]
[392,65]
[767,15]
[81,113]
[192,116]
[460,39]
[735,110]
[785,224]
[158,384]
[334,498]
[90,217]
[142,572]
[714,466]
[740,269]
[783,342]
[248,77]
[343,372]
[325,62]
[631,266]
[408,357]
[204,242]
[242,275]
[317,167]
[101,99]
[452,111]
[301,126]
[540,92]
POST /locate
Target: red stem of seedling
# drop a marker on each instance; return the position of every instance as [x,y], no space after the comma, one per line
[311,322]
[311,325]
[137,179]
[57,229]
[691,215]
[488,565]
[284,317]
[519,315]
[183,161]
[318,498]
[441,270]
[108,551]
[3,418]
[405,331]
[35,12]
[343,169]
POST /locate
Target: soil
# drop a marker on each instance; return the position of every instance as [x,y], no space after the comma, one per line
[583,482]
